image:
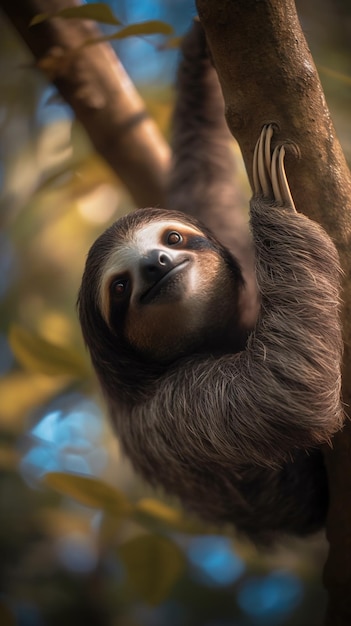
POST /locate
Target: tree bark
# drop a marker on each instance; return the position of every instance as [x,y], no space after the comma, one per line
[267,75]
[93,82]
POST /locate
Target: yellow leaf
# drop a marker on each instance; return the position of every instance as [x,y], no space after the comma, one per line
[151,27]
[41,17]
[94,11]
[90,492]
[152,510]
[153,564]
[20,392]
[38,355]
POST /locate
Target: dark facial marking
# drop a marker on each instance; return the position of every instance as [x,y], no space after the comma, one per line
[198,242]
[119,287]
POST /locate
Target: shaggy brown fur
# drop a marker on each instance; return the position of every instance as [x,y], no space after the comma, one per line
[236,436]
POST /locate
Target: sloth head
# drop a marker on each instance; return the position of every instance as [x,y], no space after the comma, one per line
[158,283]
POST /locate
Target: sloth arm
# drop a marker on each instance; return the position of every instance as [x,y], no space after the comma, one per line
[282,393]
[203,176]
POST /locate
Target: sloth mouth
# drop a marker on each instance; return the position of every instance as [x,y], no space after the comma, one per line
[162,283]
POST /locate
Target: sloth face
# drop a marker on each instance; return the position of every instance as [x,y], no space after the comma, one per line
[168,286]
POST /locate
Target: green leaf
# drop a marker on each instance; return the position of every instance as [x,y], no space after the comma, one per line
[38,355]
[153,564]
[94,11]
[90,492]
[149,510]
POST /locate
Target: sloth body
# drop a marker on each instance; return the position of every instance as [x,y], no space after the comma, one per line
[228,418]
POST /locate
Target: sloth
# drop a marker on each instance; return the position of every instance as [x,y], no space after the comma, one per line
[226,415]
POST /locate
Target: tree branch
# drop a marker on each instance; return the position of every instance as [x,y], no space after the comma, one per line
[267,75]
[95,85]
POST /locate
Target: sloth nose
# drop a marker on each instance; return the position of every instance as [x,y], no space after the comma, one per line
[155,265]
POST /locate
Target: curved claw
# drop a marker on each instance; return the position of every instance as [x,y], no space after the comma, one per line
[280,185]
[269,177]
[261,163]
[274,171]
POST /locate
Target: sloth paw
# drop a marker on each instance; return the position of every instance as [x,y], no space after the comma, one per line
[269,175]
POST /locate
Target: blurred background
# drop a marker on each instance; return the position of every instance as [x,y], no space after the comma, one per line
[82,540]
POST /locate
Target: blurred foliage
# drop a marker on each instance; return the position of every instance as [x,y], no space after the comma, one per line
[82,540]
[101,12]
[97,11]
[39,355]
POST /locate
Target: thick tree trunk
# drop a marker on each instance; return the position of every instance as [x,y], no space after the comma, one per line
[94,83]
[267,75]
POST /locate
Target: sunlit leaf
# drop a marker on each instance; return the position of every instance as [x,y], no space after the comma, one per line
[94,11]
[90,492]
[20,392]
[153,564]
[38,355]
[151,27]
[150,510]
[41,17]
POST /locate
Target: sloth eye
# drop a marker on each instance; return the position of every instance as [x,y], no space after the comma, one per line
[174,238]
[119,287]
